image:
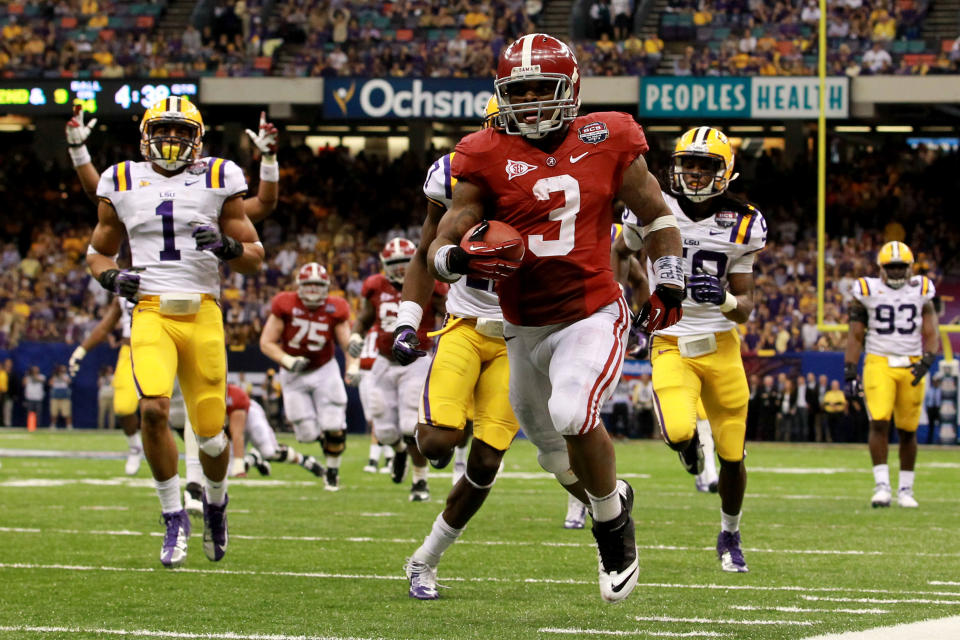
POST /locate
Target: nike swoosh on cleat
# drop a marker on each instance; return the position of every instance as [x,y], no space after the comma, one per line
[619,587]
[576,159]
[508,338]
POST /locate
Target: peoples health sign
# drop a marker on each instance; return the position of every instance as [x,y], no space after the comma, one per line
[395,98]
[780,98]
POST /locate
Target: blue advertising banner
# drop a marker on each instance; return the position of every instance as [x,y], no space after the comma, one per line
[778,98]
[402,98]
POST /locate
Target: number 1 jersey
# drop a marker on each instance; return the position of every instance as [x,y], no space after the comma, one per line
[160,213]
[894,316]
[561,203]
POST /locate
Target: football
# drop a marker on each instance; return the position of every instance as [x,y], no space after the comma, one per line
[491,233]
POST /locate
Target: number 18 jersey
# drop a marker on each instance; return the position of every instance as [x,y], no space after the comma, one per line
[160,213]
[722,243]
[894,316]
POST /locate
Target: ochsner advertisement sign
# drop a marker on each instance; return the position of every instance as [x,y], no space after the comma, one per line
[779,98]
[393,98]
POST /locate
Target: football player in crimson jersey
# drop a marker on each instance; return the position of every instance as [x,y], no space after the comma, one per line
[246,419]
[698,359]
[396,390]
[553,176]
[299,336]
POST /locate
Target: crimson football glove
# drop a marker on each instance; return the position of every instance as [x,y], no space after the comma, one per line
[484,260]
[265,138]
[663,309]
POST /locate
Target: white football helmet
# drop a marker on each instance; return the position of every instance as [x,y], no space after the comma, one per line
[395,257]
[313,284]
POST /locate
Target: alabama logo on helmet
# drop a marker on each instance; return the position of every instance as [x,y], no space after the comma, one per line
[313,284]
[395,256]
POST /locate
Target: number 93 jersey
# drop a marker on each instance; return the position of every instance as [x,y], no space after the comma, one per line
[894,316]
[309,332]
[160,213]
[724,242]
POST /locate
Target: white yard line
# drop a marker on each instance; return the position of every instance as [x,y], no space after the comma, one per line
[747,607]
[149,633]
[489,543]
[638,632]
[881,600]
[795,623]
[941,629]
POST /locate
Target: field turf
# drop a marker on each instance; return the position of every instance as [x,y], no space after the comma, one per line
[79,557]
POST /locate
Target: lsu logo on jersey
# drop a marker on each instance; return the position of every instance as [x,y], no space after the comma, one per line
[517,168]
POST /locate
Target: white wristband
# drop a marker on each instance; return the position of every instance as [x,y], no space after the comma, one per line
[660,222]
[409,314]
[440,264]
[79,353]
[729,304]
[669,270]
[79,155]
[269,172]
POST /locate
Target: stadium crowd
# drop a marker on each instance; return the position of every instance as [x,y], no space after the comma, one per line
[292,38]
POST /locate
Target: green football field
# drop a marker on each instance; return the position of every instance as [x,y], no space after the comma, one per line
[80,552]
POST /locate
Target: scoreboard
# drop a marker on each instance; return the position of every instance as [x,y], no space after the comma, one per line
[98,96]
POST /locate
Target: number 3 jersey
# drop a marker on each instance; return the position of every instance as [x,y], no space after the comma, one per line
[894,316]
[561,204]
[724,242]
[309,332]
[160,213]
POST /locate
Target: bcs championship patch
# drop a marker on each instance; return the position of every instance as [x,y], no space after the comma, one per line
[593,133]
[725,219]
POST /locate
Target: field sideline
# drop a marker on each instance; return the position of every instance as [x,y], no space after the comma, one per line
[79,557]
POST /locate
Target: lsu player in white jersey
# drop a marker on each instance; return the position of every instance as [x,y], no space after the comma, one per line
[182,214]
[896,316]
[699,358]
[469,371]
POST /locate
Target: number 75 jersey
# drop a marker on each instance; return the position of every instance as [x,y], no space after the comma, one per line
[724,242]
[160,213]
[309,332]
[894,316]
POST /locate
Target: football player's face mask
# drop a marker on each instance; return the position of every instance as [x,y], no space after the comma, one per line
[170,133]
[702,164]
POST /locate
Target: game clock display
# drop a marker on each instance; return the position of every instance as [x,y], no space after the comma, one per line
[105,97]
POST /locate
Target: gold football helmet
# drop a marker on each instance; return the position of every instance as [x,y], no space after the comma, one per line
[161,143]
[491,113]
[702,164]
[895,260]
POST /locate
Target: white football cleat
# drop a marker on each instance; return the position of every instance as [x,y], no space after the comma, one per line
[906,500]
[134,457]
[881,496]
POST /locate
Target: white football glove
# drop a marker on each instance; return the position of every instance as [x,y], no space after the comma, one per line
[73,366]
[238,469]
[355,347]
[77,131]
[294,363]
[266,139]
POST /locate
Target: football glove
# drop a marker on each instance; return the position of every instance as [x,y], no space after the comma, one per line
[221,245]
[484,260]
[405,343]
[920,367]
[706,288]
[663,309]
[123,283]
[355,346]
[77,131]
[296,364]
[851,387]
[73,365]
[266,137]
